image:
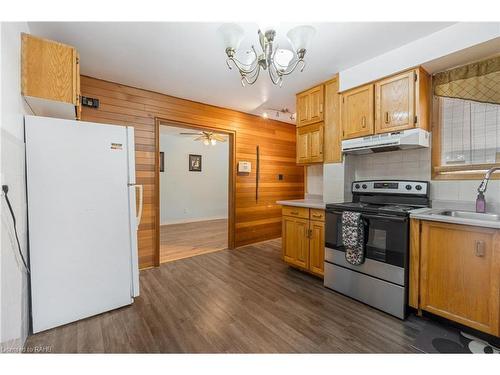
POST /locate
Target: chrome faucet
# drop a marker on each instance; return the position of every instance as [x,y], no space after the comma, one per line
[480,201]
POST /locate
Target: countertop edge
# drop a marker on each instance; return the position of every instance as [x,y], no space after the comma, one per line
[303,203]
[425,214]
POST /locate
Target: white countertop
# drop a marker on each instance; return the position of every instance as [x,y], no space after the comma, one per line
[430,214]
[308,202]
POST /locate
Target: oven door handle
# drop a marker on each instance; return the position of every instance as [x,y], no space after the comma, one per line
[385,217]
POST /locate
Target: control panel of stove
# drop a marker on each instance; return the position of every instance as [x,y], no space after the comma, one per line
[391,187]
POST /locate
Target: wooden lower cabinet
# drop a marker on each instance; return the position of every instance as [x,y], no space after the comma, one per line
[316,247]
[458,273]
[303,240]
[296,241]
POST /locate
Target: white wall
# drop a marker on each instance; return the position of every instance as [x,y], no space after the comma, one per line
[314,181]
[434,46]
[14,283]
[193,196]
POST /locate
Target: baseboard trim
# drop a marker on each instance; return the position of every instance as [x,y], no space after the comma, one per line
[193,220]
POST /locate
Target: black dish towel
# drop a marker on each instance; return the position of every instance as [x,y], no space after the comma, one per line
[353,235]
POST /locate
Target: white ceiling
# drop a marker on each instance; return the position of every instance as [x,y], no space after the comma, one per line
[187,60]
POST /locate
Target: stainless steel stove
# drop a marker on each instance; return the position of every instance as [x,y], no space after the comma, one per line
[382,280]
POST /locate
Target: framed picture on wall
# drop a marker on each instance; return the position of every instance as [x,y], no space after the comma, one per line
[194,163]
[162,161]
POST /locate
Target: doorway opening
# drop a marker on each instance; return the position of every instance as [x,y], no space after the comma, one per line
[194,190]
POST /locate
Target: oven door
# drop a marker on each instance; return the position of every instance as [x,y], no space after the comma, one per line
[386,236]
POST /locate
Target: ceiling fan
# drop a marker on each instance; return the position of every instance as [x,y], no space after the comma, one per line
[208,138]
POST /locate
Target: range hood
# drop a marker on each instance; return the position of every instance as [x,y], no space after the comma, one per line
[402,140]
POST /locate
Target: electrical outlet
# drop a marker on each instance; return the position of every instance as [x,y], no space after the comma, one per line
[90,102]
[281,177]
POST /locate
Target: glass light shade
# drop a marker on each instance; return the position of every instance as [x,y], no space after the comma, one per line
[300,36]
[231,34]
[213,142]
[283,57]
[206,142]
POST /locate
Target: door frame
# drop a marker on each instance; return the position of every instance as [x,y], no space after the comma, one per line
[231,177]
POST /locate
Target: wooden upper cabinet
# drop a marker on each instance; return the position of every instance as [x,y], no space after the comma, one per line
[50,77]
[357,112]
[310,143]
[332,152]
[395,103]
[302,147]
[316,100]
[460,274]
[302,109]
[310,106]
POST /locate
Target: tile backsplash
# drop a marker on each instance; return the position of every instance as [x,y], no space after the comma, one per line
[416,165]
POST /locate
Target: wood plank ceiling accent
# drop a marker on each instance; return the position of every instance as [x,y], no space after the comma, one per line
[254,221]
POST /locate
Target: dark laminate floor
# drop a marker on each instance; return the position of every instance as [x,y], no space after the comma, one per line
[243,300]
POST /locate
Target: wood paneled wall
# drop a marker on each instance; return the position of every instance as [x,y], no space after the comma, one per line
[254,220]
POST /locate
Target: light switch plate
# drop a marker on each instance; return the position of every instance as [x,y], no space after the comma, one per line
[244,167]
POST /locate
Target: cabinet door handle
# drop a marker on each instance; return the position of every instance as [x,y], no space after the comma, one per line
[309,233]
[387,120]
[480,249]
[294,213]
[317,215]
[321,108]
[363,122]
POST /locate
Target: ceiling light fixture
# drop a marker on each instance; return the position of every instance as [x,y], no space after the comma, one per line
[279,112]
[278,62]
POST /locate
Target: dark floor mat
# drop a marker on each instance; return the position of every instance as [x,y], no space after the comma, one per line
[440,338]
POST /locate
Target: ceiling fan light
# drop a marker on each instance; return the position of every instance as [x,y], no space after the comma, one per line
[300,36]
[283,57]
[206,142]
[231,35]
[213,142]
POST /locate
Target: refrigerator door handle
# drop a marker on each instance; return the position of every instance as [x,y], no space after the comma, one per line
[141,200]
[141,193]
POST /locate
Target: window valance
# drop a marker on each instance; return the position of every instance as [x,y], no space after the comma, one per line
[479,81]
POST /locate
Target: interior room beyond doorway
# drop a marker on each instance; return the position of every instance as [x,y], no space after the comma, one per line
[194,172]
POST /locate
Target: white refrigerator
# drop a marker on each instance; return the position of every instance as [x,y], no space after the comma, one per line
[82,219]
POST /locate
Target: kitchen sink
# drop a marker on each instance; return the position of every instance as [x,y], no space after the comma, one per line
[469,215]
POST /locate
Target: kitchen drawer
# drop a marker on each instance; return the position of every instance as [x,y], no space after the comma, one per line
[317,214]
[296,212]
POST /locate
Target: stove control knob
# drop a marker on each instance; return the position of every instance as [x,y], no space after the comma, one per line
[408,187]
[418,187]
[356,186]
[364,186]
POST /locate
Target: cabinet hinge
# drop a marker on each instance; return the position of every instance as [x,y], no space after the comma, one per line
[78,60]
[415,120]
[415,76]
